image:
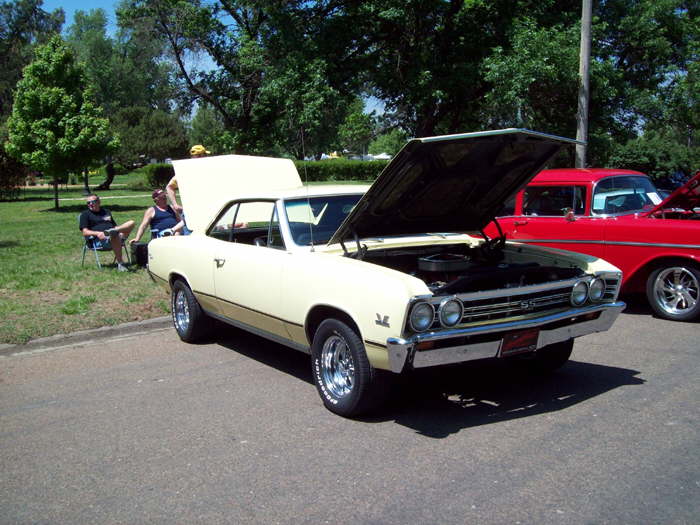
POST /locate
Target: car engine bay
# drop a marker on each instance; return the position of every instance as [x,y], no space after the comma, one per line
[461,268]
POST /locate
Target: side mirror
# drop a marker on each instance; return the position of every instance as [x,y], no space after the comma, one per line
[569,214]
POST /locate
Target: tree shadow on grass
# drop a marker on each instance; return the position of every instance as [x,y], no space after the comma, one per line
[442,401]
[76,209]
[8,244]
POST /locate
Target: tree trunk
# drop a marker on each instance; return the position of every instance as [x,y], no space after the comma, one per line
[86,188]
[55,193]
[109,169]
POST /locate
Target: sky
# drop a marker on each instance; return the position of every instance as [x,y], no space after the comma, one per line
[70,6]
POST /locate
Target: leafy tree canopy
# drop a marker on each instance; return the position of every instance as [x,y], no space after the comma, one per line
[23,24]
[55,127]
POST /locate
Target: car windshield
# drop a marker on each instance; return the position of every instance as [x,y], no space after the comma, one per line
[624,194]
[314,220]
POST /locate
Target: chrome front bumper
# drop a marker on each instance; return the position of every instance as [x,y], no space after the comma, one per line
[487,342]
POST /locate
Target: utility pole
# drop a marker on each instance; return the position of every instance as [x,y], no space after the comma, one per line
[583,84]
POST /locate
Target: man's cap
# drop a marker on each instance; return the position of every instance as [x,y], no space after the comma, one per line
[157,192]
[198,149]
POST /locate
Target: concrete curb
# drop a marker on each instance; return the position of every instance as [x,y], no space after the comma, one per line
[75,338]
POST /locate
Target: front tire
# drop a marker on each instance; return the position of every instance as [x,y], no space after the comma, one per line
[552,357]
[673,292]
[342,373]
[190,321]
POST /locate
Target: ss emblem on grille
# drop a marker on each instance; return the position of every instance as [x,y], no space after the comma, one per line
[527,305]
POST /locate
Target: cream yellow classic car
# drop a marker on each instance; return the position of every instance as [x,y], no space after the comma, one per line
[392,277]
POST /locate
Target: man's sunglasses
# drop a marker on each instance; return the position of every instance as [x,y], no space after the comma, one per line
[93,202]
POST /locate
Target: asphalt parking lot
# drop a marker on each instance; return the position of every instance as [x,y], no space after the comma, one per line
[138,427]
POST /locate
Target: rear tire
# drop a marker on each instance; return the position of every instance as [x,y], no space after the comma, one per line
[344,378]
[673,292]
[190,321]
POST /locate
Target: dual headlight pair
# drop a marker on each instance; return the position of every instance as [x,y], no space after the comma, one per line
[449,313]
[585,290]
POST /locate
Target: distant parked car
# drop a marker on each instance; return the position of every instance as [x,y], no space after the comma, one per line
[620,216]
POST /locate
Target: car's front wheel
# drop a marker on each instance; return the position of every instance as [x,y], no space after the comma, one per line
[552,357]
[342,373]
[191,323]
[673,292]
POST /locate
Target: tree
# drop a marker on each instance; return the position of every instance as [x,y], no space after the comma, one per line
[149,134]
[126,70]
[388,142]
[23,23]
[357,130]
[55,127]
[207,128]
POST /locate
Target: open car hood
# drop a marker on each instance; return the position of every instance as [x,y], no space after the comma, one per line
[207,183]
[687,197]
[450,183]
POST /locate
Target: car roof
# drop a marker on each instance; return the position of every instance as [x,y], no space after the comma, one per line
[580,174]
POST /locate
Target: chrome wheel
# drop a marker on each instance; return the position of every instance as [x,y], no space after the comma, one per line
[337,366]
[676,290]
[181,312]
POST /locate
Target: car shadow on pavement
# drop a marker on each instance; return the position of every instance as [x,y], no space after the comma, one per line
[264,351]
[442,401]
[441,404]
[636,304]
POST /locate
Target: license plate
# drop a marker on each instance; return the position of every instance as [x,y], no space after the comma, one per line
[519,342]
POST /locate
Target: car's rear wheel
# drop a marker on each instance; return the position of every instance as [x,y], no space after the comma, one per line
[342,373]
[552,357]
[673,292]
[190,321]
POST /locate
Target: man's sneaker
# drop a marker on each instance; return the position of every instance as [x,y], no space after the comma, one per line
[121,268]
[166,232]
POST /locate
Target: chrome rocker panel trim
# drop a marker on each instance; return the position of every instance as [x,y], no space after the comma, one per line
[402,352]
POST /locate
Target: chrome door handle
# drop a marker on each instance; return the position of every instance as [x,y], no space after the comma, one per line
[520,223]
[219,262]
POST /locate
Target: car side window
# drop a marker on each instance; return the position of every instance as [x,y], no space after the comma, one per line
[554,200]
[223,228]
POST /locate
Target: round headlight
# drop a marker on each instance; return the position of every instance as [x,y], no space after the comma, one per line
[450,312]
[579,293]
[596,289]
[422,316]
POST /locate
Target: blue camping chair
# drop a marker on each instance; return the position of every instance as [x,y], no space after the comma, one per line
[91,245]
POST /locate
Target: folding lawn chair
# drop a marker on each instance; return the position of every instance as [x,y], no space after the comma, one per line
[91,245]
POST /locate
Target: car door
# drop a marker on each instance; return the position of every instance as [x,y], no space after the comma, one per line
[249,265]
[555,215]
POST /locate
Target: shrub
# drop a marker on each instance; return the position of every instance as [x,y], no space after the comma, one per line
[12,176]
[158,175]
[340,170]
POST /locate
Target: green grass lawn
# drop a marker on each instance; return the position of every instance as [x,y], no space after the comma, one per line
[43,288]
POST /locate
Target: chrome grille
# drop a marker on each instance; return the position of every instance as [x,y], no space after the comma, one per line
[505,303]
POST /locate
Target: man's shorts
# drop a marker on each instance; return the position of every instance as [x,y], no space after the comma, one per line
[105,244]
